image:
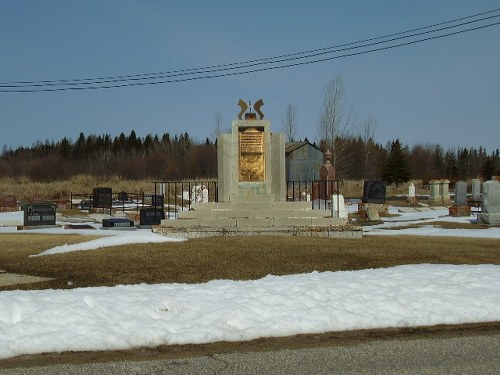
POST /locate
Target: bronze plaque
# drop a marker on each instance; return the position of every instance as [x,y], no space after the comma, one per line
[252,155]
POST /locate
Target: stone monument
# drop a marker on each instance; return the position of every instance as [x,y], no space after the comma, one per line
[490,205]
[476,190]
[439,193]
[460,206]
[252,190]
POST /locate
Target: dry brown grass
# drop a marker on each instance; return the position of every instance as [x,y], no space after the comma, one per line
[25,189]
[201,260]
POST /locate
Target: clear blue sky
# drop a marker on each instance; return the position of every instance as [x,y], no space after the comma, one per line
[444,91]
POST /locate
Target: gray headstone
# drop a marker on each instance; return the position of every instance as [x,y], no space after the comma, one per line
[476,190]
[461,193]
[372,213]
[490,205]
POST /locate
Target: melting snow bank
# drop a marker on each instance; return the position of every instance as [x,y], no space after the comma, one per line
[114,238]
[125,317]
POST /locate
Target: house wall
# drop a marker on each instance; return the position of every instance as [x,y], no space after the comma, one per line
[303,163]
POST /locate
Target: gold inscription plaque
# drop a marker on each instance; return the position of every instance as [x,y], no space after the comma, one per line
[252,155]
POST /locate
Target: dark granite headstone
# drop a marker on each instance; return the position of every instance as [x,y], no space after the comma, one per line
[117,223]
[39,214]
[122,196]
[374,191]
[151,216]
[102,198]
[157,201]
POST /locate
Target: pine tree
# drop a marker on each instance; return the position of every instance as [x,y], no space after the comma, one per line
[396,169]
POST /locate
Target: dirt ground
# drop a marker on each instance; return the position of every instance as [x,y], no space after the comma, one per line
[264,344]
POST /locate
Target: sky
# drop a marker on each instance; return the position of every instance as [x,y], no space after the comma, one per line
[444,91]
[131,316]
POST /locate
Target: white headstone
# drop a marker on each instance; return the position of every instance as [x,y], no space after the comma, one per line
[338,207]
[204,194]
[411,190]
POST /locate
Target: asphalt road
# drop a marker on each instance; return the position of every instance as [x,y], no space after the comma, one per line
[468,354]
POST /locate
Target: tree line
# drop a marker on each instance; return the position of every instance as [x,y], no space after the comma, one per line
[179,157]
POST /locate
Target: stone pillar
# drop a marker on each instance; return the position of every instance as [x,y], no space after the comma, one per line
[440,193]
[435,198]
[444,190]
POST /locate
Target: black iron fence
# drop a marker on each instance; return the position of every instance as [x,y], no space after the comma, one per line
[175,196]
[123,201]
[180,195]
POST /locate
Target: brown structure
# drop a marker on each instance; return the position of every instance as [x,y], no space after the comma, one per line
[327,178]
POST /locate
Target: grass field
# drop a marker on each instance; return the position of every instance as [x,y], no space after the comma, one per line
[201,260]
[24,188]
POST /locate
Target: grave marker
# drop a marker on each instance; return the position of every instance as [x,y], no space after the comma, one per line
[8,202]
[151,216]
[117,223]
[461,193]
[374,191]
[476,190]
[39,214]
[490,205]
[102,197]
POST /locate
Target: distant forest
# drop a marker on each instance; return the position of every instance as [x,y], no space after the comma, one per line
[179,157]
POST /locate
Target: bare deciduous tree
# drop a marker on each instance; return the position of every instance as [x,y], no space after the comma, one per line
[367,133]
[289,123]
[336,119]
[218,121]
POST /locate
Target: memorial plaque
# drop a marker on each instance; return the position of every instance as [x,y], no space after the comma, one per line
[102,198]
[39,214]
[251,144]
[151,216]
[374,191]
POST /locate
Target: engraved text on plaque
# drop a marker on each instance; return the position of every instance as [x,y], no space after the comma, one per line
[251,142]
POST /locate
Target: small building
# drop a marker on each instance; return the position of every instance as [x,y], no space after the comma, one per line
[303,160]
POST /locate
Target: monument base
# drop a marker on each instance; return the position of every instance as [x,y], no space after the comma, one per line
[333,231]
[256,215]
[459,210]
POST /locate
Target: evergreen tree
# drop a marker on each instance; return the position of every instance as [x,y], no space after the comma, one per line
[396,169]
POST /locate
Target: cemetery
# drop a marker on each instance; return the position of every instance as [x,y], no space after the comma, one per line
[264,187]
[257,216]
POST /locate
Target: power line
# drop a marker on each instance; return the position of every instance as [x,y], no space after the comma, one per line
[253,66]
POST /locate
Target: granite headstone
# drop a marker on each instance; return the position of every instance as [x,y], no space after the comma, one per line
[374,191]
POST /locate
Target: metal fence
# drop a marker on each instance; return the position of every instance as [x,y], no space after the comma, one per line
[180,195]
[123,201]
[175,196]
